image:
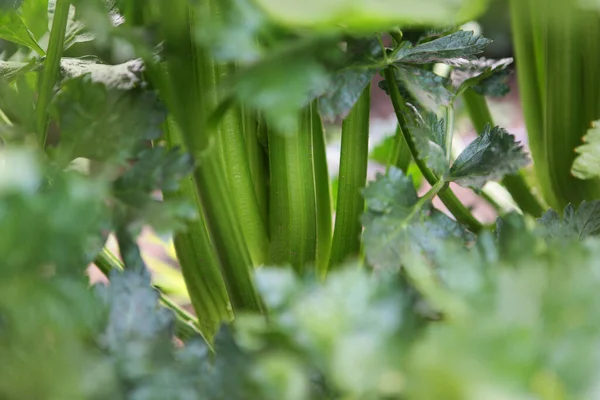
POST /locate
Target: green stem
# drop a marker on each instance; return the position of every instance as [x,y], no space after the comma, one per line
[258,164]
[354,157]
[293,209]
[460,212]
[322,191]
[449,130]
[515,184]
[399,153]
[241,185]
[528,74]
[185,324]
[49,74]
[197,258]
[189,88]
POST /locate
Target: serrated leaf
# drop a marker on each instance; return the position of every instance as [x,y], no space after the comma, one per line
[574,224]
[455,49]
[369,15]
[121,76]
[101,123]
[75,29]
[11,70]
[587,163]
[429,134]
[13,29]
[429,89]
[397,224]
[486,77]
[492,155]
[155,169]
[344,90]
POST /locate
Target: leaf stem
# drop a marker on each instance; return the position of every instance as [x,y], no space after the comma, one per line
[352,178]
[462,214]
[49,74]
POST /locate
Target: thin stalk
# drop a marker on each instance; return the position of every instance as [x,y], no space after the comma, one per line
[323,202]
[400,156]
[530,89]
[354,157]
[197,258]
[449,131]
[49,74]
[293,202]
[186,325]
[190,92]
[258,164]
[241,186]
[460,212]
[515,184]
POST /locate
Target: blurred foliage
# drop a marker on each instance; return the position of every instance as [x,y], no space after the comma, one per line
[434,313]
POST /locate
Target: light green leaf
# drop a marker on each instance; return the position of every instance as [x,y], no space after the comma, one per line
[454,49]
[371,15]
[398,224]
[10,70]
[75,29]
[491,156]
[13,29]
[587,163]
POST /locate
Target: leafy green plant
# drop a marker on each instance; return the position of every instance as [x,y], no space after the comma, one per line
[204,121]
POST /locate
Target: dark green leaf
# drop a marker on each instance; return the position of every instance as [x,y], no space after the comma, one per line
[454,49]
[155,169]
[344,90]
[429,134]
[398,224]
[13,29]
[491,156]
[101,123]
[429,89]
[575,224]
[587,163]
[486,77]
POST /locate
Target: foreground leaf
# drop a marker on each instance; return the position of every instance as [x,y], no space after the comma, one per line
[371,16]
[13,29]
[486,77]
[587,163]
[575,224]
[430,138]
[491,156]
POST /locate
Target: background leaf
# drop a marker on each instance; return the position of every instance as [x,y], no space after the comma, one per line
[587,163]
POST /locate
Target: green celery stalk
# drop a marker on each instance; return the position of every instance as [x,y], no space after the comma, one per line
[189,89]
[515,184]
[197,258]
[234,154]
[322,191]
[258,164]
[293,211]
[50,73]
[354,157]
